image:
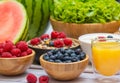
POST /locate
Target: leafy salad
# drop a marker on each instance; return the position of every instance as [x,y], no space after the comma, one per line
[86,11]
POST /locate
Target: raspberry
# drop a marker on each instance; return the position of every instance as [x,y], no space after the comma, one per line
[16,52]
[24,53]
[43,79]
[54,34]
[35,41]
[8,41]
[67,41]
[2,45]
[29,51]
[8,47]
[45,36]
[61,35]
[31,78]
[6,55]
[22,45]
[1,51]
[58,43]
[101,37]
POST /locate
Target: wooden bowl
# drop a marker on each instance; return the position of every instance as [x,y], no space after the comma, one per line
[15,66]
[64,71]
[40,51]
[75,30]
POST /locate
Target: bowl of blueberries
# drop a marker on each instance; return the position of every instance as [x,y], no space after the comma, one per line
[64,64]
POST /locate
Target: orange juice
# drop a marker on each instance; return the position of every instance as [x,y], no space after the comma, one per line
[106,57]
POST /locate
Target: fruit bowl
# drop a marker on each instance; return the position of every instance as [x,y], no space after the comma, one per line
[15,58]
[44,46]
[66,70]
[75,30]
[16,66]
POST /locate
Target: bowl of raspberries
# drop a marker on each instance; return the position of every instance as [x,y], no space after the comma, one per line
[54,40]
[64,64]
[15,58]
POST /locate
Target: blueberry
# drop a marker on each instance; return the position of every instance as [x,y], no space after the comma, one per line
[60,56]
[56,50]
[46,57]
[75,59]
[53,51]
[52,57]
[77,51]
[49,53]
[79,57]
[58,61]
[83,55]
[69,51]
[50,60]
[67,61]
[51,43]
[66,58]
[56,55]
[66,54]
[109,36]
[62,50]
[73,55]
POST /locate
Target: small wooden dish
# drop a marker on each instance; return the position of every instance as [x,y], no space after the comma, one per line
[15,66]
[75,30]
[40,51]
[64,71]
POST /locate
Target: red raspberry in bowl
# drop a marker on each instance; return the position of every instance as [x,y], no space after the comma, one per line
[54,34]
[35,41]
[1,51]
[67,41]
[2,45]
[61,35]
[45,36]
[8,47]
[6,55]
[22,45]
[16,52]
[8,41]
[58,43]
[29,51]
[24,53]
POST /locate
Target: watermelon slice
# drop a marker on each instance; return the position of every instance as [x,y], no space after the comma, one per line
[13,20]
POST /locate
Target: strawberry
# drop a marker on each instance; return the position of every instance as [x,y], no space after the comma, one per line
[58,43]
[67,41]
[31,78]
[45,36]
[54,34]
[35,41]
[22,45]
[61,35]
[43,79]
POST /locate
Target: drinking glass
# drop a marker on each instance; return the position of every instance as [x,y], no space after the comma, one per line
[106,59]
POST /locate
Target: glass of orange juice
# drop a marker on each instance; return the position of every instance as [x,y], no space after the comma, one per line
[106,59]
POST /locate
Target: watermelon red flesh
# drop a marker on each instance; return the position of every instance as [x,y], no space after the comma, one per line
[13,20]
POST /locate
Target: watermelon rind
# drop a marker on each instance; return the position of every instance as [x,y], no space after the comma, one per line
[38,13]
